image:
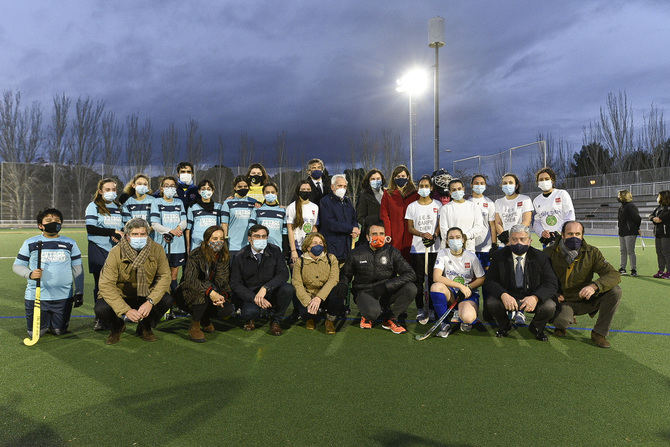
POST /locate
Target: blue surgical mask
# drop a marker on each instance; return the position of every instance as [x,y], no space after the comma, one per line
[260,244]
[169,192]
[270,198]
[508,189]
[141,189]
[206,193]
[138,242]
[478,189]
[375,184]
[455,244]
[424,192]
[458,194]
[316,250]
[401,182]
[109,196]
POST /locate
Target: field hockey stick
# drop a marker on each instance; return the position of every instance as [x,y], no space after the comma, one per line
[437,324]
[426,286]
[36,309]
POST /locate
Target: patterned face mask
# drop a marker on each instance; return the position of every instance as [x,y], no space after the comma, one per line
[216,246]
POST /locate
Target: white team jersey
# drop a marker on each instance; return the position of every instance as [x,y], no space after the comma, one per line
[552,211]
[511,211]
[463,269]
[425,219]
[310,217]
[488,209]
[465,216]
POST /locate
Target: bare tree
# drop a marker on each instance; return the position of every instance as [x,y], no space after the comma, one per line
[616,126]
[246,153]
[169,148]
[138,144]
[391,148]
[56,143]
[111,133]
[653,135]
[195,145]
[280,148]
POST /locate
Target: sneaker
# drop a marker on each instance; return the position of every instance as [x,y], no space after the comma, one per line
[659,274]
[169,315]
[444,330]
[432,316]
[454,316]
[422,316]
[633,273]
[622,271]
[519,318]
[98,326]
[465,327]
[666,275]
[393,327]
[365,323]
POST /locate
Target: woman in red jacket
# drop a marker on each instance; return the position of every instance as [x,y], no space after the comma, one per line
[400,193]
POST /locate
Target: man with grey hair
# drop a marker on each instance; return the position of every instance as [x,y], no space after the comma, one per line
[134,282]
[337,217]
[520,278]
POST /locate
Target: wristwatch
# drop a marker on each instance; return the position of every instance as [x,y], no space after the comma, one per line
[151,301]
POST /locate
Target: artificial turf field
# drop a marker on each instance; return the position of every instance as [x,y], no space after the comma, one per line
[363,388]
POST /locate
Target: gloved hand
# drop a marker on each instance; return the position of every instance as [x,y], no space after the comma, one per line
[78,300]
[504,237]
[428,242]
[167,237]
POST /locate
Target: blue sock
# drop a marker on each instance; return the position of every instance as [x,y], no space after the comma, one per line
[439,300]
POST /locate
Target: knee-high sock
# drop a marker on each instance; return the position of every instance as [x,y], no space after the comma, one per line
[440,304]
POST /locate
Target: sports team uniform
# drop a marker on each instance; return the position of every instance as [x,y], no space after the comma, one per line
[552,211]
[256,192]
[99,245]
[237,213]
[274,219]
[166,216]
[425,220]
[137,209]
[483,244]
[466,216]
[198,219]
[310,217]
[61,261]
[511,211]
[462,269]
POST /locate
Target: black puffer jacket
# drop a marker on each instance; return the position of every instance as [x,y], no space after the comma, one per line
[370,268]
[661,229]
[629,220]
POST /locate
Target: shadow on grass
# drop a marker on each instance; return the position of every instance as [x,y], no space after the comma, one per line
[19,430]
[394,438]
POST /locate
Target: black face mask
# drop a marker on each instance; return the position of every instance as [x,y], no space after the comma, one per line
[256,179]
[519,249]
[52,227]
[242,192]
[573,243]
[304,195]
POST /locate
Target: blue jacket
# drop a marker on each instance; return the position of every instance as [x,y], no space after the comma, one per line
[337,218]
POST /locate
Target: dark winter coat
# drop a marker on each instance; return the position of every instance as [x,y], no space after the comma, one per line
[200,278]
[367,209]
[337,218]
[248,276]
[661,229]
[316,195]
[370,268]
[629,220]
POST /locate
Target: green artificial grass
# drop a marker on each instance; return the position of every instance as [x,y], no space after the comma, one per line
[363,388]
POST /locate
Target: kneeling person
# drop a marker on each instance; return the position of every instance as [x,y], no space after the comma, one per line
[134,282]
[456,275]
[575,263]
[381,276]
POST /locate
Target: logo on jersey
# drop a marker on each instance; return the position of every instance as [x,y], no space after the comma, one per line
[485,205]
[558,200]
[467,265]
[551,220]
[383,260]
[519,203]
[435,210]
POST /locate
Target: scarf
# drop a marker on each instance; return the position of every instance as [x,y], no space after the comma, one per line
[378,194]
[570,255]
[138,260]
[209,207]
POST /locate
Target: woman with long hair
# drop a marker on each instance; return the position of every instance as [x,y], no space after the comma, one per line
[235,215]
[302,217]
[257,176]
[139,199]
[202,214]
[629,228]
[272,216]
[369,200]
[661,219]
[395,200]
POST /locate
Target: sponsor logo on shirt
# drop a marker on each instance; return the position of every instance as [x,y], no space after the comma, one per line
[383,260]
[519,203]
[435,210]
[467,265]
[363,262]
[54,256]
[558,200]
[485,205]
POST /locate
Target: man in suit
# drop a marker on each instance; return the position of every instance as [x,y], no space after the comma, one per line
[338,219]
[520,278]
[318,179]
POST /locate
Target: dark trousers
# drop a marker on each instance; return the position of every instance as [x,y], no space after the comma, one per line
[279,298]
[53,314]
[208,311]
[663,253]
[333,304]
[543,312]
[418,264]
[96,260]
[107,316]
[604,304]
[398,301]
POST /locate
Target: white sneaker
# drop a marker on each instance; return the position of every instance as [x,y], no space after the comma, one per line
[422,316]
[465,327]
[454,316]
[519,318]
[444,332]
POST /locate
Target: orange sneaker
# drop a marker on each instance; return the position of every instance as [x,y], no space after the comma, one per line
[393,327]
[365,324]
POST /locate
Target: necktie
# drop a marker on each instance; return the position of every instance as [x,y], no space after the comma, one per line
[258,257]
[518,273]
[318,185]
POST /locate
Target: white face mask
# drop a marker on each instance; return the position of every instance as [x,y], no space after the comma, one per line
[169,192]
[206,193]
[186,178]
[455,244]
[340,192]
[509,189]
[545,185]
[109,196]
[424,192]
[141,189]
[458,194]
[478,189]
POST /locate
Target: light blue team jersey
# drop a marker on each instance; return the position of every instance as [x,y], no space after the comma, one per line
[134,208]
[236,213]
[199,219]
[169,214]
[274,219]
[113,220]
[59,255]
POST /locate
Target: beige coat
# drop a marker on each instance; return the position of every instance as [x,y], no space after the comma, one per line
[118,279]
[317,278]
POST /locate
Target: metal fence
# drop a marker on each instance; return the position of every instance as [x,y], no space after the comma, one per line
[636,189]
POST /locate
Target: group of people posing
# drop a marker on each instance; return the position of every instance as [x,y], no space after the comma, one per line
[252,257]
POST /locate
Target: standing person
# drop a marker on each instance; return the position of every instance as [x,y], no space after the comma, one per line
[338,218]
[383,282]
[463,214]
[488,241]
[187,191]
[60,273]
[204,290]
[422,222]
[400,193]
[441,179]
[513,209]
[235,215]
[139,199]
[204,213]
[273,217]
[456,276]
[302,218]
[661,219]
[316,280]
[369,200]
[104,225]
[134,283]
[256,177]
[552,208]
[259,280]
[629,228]
[521,279]
[168,219]
[318,179]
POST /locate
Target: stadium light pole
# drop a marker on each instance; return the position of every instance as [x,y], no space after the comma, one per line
[436,40]
[414,82]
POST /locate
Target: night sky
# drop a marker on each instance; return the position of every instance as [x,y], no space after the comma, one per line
[326,71]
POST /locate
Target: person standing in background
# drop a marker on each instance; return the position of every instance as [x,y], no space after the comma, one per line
[318,179]
[629,228]
[661,219]
[369,200]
